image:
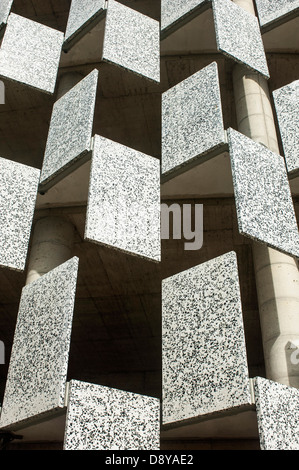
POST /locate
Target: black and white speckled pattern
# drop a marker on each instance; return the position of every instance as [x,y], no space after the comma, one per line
[5,7]
[192,122]
[172,11]
[238,35]
[102,418]
[71,126]
[264,202]
[277,408]
[269,10]
[123,209]
[82,12]
[18,192]
[132,41]
[37,372]
[204,354]
[30,53]
[286,100]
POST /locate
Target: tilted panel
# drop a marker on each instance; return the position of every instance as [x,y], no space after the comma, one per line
[18,192]
[286,100]
[132,41]
[70,132]
[270,11]
[238,35]
[123,209]
[173,12]
[203,345]
[277,408]
[82,13]
[192,121]
[264,204]
[5,7]
[103,418]
[37,372]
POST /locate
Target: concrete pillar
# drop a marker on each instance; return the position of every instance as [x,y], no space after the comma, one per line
[277,281]
[277,275]
[253,107]
[52,245]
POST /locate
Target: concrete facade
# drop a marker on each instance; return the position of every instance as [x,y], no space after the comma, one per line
[116,341]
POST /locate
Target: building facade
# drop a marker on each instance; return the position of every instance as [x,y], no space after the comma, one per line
[149,190]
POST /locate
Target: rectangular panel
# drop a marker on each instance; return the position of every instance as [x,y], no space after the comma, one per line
[238,35]
[38,365]
[82,13]
[264,202]
[277,408]
[70,130]
[5,7]
[203,345]
[102,418]
[18,192]
[132,41]
[286,100]
[174,12]
[123,209]
[270,11]
[30,53]
[192,122]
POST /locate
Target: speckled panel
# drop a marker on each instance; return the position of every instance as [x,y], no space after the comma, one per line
[37,372]
[286,100]
[192,122]
[204,354]
[5,7]
[269,11]
[238,35]
[277,408]
[18,192]
[102,418]
[82,12]
[174,11]
[30,53]
[70,131]
[123,209]
[264,203]
[132,41]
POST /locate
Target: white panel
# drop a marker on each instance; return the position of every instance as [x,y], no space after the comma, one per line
[123,209]
[203,346]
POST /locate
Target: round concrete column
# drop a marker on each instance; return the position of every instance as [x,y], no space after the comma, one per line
[277,275]
[246,4]
[52,245]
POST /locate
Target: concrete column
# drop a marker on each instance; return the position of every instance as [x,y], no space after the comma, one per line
[246,4]
[253,107]
[52,245]
[277,275]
